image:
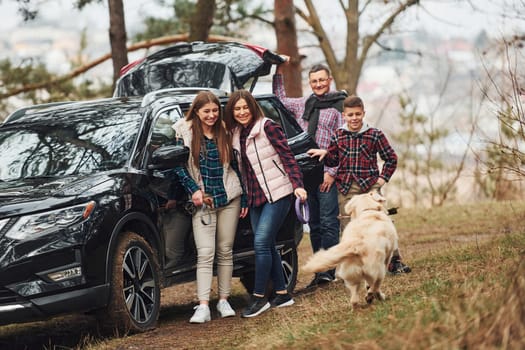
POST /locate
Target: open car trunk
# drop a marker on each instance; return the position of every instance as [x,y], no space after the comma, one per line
[226,66]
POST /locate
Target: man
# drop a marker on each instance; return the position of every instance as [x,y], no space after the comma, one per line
[320,115]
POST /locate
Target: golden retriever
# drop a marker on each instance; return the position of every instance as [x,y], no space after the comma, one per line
[365,249]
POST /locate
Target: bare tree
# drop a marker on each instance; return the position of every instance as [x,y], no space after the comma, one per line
[117,36]
[202,20]
[347,70]
[503,159]
[286,34]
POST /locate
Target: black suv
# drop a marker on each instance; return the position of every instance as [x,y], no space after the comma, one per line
[83,226]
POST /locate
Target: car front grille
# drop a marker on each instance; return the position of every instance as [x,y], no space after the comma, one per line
[6,296]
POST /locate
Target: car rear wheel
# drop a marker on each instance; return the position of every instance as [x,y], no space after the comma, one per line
[290,269]
[135,287]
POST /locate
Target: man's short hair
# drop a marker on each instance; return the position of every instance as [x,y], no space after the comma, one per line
[353,101]
[319,67]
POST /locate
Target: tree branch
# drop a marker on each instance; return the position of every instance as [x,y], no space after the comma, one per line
[84,68]
[368,41]
[390,49]
[322,37]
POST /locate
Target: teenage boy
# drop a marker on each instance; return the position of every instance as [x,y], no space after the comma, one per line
[320,115]
[354,149]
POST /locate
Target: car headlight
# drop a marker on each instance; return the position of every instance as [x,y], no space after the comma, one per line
[36,225]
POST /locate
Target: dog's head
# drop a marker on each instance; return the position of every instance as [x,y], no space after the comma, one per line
[363,202]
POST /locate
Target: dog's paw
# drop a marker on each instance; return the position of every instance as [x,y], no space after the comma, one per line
[369,298]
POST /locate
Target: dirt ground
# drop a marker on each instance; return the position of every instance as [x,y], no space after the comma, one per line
[173,331]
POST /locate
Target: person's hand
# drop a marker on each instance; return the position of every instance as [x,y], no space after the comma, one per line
[197,198]
[300,192]
[286,59]
[244,212]
[315,152]
[328,181]
[171,203]
[208,200]
[381,182]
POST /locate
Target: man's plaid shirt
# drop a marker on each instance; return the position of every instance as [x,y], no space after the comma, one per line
[329,118]
[356,154]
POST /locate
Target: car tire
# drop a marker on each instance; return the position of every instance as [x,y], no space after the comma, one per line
[290,267]
[134,302]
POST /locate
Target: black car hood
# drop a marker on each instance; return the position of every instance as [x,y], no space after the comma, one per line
[225,66]
[18,197]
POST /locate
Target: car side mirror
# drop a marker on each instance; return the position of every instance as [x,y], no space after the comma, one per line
[168,157]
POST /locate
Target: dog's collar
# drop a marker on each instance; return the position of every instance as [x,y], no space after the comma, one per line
[369,209]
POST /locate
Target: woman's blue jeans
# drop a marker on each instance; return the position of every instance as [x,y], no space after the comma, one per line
[266,221]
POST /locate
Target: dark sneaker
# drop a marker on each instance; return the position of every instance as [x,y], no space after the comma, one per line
[282,300]
[320,279]
[397,267]
[314,282]
[325,277]
[257,306]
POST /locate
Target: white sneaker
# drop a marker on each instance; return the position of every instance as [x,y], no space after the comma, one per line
[225,309]
[201,315]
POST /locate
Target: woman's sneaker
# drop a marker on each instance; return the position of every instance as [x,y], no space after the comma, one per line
[201,315]
[282,300]
[257,306]
[225,309]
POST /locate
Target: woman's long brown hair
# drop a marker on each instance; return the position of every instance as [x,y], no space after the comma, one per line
[221,137]
[253,106]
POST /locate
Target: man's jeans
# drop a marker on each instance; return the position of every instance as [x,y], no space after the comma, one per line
[266,221]
[324,224]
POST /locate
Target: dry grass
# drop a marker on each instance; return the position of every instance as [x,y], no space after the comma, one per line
[466,291]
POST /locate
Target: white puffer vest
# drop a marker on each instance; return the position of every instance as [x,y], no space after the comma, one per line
[232,184]
[265,162]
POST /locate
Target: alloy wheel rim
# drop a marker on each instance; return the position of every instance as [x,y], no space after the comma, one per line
[287,259]
[139,285]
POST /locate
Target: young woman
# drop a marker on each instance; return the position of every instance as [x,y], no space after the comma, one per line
[214,184]
[270,175]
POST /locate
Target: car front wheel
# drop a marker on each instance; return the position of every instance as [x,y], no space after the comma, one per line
[135,287]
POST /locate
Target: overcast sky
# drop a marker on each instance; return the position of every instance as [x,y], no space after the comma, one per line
[448,17]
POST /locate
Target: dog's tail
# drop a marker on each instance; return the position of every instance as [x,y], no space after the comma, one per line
[325,260]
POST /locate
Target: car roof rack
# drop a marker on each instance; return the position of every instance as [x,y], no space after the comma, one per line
[153,95]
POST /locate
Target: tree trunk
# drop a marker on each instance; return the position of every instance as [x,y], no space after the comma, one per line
[286,34]
[117,37]
[202,20]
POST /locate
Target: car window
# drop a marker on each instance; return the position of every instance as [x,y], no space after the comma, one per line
[289,125]
[162,132]
[180,74]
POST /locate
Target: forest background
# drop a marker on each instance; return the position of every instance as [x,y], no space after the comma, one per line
[443,79]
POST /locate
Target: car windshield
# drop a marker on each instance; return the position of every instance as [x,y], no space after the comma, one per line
[65,142]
